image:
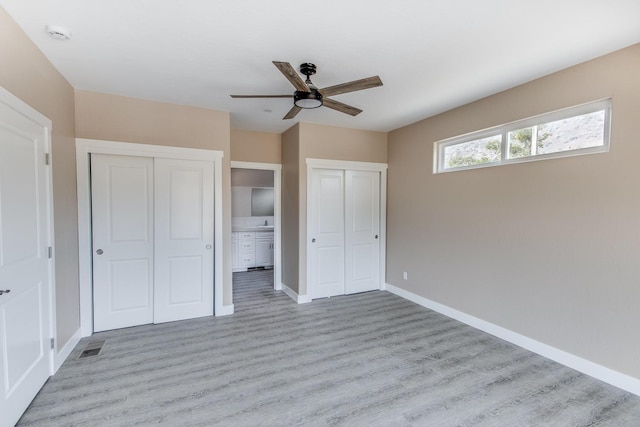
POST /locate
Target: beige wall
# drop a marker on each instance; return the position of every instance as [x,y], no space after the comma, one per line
[27,73]
[547,249]
[118,118]
[336,143]
[290,206]
[261,147]
[251,178]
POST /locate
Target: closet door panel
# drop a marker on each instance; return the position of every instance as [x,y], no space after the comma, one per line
[122,223]
[362,237]
[184,239]
[326,234]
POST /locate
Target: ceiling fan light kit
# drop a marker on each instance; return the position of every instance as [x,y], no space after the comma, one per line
[308,96]
[307,100]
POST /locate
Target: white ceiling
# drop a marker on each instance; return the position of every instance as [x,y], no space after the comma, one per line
[431,55]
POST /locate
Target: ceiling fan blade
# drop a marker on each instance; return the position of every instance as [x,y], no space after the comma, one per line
[261,96]
[292,113]
[291,75]
[361,84]
[339,106]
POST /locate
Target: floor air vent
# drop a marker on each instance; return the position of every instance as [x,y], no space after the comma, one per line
[92,349]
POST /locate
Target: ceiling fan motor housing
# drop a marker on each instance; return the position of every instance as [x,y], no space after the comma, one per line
[308,69]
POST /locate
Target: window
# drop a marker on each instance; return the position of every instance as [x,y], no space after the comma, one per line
[577,130]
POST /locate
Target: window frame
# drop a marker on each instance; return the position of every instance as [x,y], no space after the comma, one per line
[503,130]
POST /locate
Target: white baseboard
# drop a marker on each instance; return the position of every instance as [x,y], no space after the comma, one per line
[304,299]
[278,287]
[300,299]
[225,310]
[592,369]
[65,351]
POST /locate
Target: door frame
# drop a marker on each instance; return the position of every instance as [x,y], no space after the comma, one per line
[84,148]
[277,213]
[345,165]
[24,109]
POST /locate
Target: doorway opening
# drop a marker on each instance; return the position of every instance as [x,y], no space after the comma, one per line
[255,224]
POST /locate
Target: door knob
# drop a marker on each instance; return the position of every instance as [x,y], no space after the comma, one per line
[208,247]
[376,236]
[6,291]
[313,240]
[99,252]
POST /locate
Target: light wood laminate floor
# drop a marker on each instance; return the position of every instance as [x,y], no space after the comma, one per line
[371,359]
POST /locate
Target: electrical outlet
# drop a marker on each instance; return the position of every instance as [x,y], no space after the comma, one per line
[405,276]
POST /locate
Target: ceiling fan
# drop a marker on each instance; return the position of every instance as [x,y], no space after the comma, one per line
[307,95]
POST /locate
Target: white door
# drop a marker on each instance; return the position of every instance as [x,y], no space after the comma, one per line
[183,239]
[25,268]
[362,231]
[326,234]
[122,213]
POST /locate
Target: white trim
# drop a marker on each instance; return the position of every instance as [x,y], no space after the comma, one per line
[383,228]
[53,332]
[219,309]
[277,213]
[356,166]
[84,147]
[65,351]
[587,367]
[300,299]
[225,310]
[345,164]
[24,109]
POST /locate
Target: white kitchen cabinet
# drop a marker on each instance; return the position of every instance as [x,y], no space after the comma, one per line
[247,244]
[252,249]
[264,249]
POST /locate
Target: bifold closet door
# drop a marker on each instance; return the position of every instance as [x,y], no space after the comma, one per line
[183,239]
[122,223]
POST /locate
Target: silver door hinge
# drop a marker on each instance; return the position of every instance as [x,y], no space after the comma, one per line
[46,158]
[50,252]
[53,343]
